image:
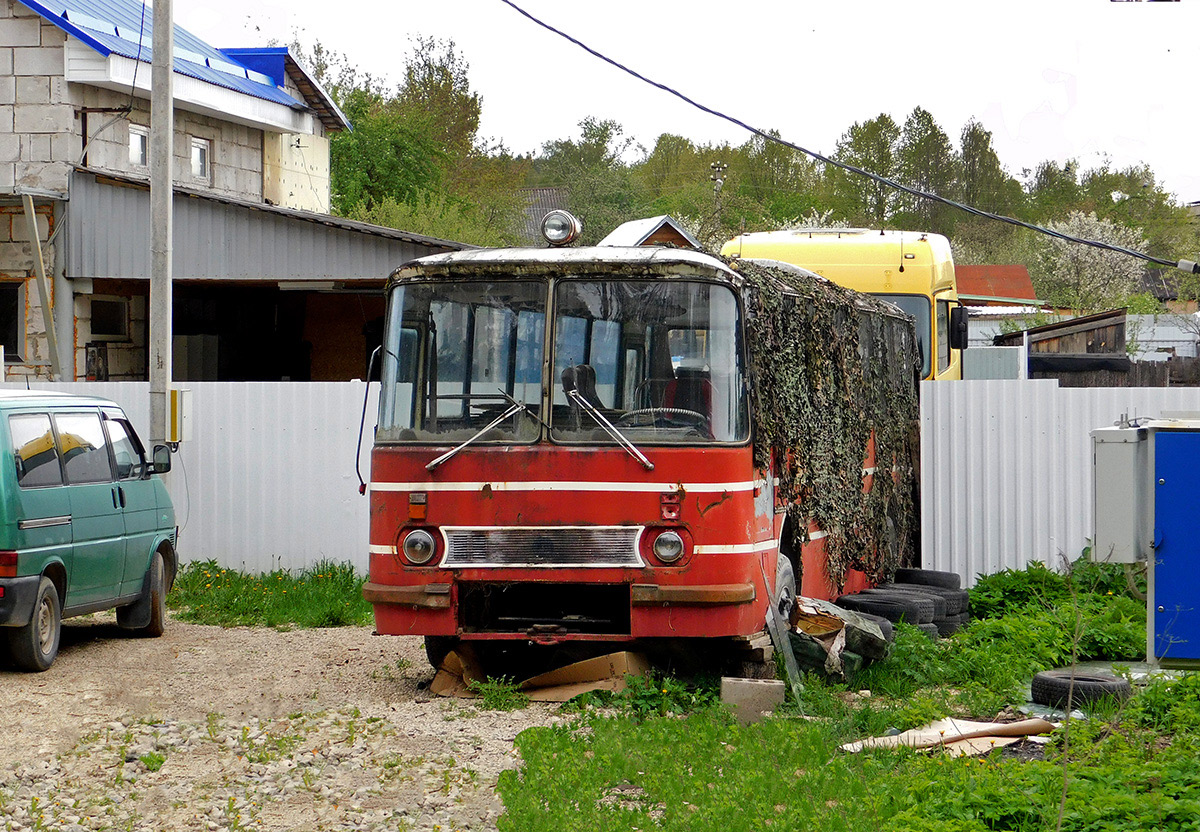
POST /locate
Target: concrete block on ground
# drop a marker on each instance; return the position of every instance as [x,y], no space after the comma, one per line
[751,698]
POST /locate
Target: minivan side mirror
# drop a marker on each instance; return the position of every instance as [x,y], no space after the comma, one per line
[161,460]
[958,328]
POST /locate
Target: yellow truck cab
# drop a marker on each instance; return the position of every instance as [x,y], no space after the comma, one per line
[912,269]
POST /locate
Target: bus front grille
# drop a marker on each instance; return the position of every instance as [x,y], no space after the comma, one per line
[549,546]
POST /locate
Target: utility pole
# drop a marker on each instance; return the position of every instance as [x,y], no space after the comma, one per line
[162,139]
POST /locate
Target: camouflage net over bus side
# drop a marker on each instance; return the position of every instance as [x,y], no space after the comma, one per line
[826,366]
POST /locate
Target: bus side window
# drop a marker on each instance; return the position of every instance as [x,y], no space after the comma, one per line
[943,335]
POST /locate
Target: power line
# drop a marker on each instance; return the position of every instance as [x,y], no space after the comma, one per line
[1185,265]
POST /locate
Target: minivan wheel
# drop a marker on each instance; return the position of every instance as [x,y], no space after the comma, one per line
[158,598]
[35,645]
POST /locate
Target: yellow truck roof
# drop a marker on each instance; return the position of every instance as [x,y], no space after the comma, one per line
[862,259]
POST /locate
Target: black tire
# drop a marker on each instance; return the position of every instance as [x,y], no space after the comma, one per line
[930,630]
[437,648]
[928,577]
[150,608]
[885,626]
[894,609]
[940,608]
[956,599]
[158,598]
[1056,689]
[947,627]
[35,646]
[784,598]
[924,603]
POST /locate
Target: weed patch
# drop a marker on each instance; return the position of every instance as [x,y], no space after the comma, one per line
[327,595]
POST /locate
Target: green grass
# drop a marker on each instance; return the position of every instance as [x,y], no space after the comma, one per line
[327,595]
[648,767]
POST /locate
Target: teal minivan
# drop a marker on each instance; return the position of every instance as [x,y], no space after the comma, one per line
[85,525]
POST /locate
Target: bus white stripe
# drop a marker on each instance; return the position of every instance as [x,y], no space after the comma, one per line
[574,485]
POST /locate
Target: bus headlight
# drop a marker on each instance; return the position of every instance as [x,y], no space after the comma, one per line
[561,228]
[418,547]
[668,547]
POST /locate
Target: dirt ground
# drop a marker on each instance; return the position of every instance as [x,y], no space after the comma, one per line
[304,729]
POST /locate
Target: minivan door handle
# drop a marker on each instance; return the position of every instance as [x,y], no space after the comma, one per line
[121,495]
[114,496]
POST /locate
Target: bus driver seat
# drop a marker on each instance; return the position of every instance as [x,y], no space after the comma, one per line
[690,390]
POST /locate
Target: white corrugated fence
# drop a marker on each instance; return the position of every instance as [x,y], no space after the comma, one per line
[267,480]
[1006,468]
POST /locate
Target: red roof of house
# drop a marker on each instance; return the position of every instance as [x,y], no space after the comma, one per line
[995,282]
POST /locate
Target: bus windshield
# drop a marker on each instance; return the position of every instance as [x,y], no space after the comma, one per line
[918,307]
[455,356]
[658,361]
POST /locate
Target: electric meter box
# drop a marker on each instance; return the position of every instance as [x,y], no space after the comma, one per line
[1123,532]
[1147,508]
[179,415]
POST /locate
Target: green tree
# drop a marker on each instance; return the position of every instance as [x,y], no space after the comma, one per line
[436,95]
[1053,191]
[928,162]
[592,168]
[383,157]
[984,183]
[871,146]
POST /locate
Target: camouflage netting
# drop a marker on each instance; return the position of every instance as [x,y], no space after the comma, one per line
[828,365]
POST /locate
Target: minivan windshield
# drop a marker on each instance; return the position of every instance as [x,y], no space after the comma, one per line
[660,360]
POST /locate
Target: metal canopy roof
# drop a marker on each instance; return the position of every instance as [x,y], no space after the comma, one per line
[220,238]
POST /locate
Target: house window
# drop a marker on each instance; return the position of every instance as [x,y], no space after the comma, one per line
[110,319]
[201,159]
[12,319]
[139,146]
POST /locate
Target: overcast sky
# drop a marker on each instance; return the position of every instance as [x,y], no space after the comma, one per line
[1051,79]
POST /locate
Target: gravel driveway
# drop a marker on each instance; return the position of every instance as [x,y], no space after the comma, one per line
[209,728]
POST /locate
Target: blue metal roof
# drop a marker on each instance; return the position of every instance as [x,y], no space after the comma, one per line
[124,27]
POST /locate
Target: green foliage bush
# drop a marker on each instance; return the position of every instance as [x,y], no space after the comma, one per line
[327,595]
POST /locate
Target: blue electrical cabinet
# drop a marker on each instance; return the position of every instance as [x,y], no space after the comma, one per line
[1174,613]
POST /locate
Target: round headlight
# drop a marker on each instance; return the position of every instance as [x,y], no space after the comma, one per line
[418,546]
[560,228]
[668,547]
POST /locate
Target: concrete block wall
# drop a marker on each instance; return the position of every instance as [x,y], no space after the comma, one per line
[237,151]
[126,360]
[16,266]
[35,119]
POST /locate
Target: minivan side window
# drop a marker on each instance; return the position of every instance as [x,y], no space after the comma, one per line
[34,450]
[84,450]
[127,450]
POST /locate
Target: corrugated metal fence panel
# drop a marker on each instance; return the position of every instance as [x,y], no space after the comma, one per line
[1006,468]
[216,240]
[267,480]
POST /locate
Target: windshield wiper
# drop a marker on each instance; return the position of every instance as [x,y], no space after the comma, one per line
[574,395]
[516,407]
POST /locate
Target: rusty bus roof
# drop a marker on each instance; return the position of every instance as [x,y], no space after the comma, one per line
[535,262]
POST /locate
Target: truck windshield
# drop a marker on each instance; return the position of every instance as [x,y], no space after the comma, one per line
[661,360]
[453,356]
[918,307]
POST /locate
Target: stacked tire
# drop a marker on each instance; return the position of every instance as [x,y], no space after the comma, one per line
[932,601]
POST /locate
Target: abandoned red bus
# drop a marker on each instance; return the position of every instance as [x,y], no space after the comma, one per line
[566,452]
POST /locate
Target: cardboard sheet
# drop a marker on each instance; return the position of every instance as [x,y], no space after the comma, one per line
[600,673]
